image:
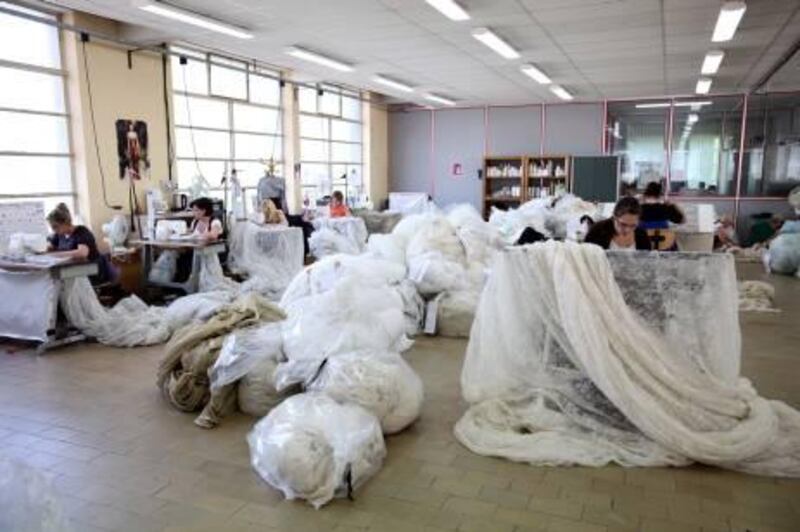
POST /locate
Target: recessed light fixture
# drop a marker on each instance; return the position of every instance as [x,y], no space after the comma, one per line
[694,117]
[393,84]
[712,62]
[491,39]
[187,17]
[730,14]
[561,92]
[703,86]
[450,9]
[533,71]
[439,99]
[314,57]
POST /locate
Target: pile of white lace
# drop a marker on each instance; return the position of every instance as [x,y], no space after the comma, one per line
[347,325]
[561,371]
[338,235]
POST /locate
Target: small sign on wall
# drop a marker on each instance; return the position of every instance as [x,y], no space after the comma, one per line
[458,169]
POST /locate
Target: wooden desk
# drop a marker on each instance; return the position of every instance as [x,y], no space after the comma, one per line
[32,291]
[199,247]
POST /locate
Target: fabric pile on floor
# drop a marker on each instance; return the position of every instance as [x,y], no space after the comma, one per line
[28,502]
[346,326]
[183,372]
[756,296]
[552,216]
[561,371]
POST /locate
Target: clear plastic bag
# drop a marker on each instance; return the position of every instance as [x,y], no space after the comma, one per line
[242,351]
[383,383]
[164,268]
[387,247]
[784,253]
[325,242]
[350,316]
[455,313]
[314,448]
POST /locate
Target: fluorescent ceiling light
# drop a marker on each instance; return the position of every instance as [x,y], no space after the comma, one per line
[730,14]
[394,84]
[439,99]
[694,105]
[692,118]
[703,86]
[194,19]
[532,71]
[314,57]
[711,62]
[652,105]
[490,39]
[450,9]
[561,92]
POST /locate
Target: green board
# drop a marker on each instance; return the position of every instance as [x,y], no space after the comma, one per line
[596,178]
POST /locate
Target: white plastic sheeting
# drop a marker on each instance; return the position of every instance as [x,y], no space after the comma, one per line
[552,216]
[784,254]
[314,448]
[28,503]
[351,228]
[559,370]
[272,253]
[436,258]
[28,304]
[456,312]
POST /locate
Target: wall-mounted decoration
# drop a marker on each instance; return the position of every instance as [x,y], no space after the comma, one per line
[132,149]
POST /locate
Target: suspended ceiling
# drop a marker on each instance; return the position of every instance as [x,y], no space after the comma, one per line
[597,49]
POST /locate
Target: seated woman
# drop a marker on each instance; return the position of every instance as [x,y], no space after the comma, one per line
[271,214]
[77,242]
[204,226]
[657,214]
[622,230]
[337,208]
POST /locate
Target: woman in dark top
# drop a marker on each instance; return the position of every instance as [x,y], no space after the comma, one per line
[622,230]
[76,242]
[656,217]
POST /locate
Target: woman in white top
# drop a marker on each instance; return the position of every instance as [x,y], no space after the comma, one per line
[204,226]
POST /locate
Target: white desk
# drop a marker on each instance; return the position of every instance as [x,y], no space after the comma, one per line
[30,293]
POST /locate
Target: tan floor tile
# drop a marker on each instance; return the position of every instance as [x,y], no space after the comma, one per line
[504,498]
[523,518]
[557,507]
[459,487]
[611,518]
[470,507]
[560,524]
[652,524]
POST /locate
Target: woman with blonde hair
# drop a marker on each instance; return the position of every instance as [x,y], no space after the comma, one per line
[272,214]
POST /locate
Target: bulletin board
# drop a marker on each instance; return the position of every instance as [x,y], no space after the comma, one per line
[21,217]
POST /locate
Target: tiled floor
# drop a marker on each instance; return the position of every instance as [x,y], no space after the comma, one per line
[121,459]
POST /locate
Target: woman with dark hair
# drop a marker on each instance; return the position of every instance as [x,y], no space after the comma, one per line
[204,226]
[657,214]
[77,242]
[622,230]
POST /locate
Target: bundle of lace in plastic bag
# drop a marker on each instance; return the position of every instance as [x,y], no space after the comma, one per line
[314,448]
[338,235]
[455,312]
[756,296]
[350,316]
[250,357]
[571,375]
[27,500]
[381,382]
[436,258]
[784,254]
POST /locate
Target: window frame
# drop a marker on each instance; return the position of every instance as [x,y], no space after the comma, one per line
[328,140]
[251,69]
[61,74]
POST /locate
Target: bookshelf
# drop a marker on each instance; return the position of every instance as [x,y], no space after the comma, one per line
[504,182]
[509,181]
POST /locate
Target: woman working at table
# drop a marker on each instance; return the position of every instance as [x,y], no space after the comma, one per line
[204,225]
[621,231]
[76,242]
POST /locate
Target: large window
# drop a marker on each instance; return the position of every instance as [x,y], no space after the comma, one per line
[227,117]
[34,138]
[771,164]
[699,158]
[705,145]
[637,133]
[331,142]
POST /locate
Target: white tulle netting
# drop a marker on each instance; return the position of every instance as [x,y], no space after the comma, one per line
[312,447]
[561,370]
[338,235]
[272,253]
